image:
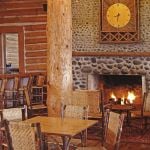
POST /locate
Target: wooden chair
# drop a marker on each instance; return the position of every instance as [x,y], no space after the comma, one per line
[15,114]
[92,98]
[11,114]
[11,92]
[22,136]
[37,89]
[25,81]
[76,111]
[33,109]
[80,112]
[95,100]
[144,112]
[113,130]
[2,86]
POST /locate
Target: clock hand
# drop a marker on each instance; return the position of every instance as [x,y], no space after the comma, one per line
[117,16]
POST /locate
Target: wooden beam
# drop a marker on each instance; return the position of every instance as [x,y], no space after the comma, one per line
[35,27]
[59,56]
[36,54]
[109,54]
[36,40]
[24,19]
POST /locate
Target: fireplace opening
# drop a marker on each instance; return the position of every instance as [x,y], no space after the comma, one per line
[121,89]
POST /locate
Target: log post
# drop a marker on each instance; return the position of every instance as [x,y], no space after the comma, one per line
[59,55]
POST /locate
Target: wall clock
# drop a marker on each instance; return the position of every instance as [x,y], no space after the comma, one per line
[119,21]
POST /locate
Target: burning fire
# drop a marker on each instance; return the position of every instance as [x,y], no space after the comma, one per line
[113,97]
[131,97]
[123,100]
[129,100]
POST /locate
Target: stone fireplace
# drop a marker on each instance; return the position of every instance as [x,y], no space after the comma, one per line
[134,67]
[86,32]
[121,89]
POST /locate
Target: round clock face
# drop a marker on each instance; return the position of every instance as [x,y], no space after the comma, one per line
[118,15]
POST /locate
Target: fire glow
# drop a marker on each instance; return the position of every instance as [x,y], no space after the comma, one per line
[113,97]
[131,97]
[128,100]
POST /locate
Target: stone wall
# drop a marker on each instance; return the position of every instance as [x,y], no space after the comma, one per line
[82,66]
[86,29]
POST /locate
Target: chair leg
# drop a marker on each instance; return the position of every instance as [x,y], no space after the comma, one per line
[84,138]
[145,123]
[29,114]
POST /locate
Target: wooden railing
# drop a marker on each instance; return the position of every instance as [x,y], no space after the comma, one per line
[21,74]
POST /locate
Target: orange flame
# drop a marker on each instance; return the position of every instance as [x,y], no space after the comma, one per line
[123,100]
[131,97]
[113,96]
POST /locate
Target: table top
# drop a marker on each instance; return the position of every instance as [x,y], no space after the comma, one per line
[62,127]
[122,107]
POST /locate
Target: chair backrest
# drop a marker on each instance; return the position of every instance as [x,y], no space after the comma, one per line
[23,82]
[114,130]
[3,84]
[146,102]
[40,80]
[16,83]
[9,84]
[1,81]
[76,111]
[87,97]
[31,78]
[23,136]
[15,114]
[27,97]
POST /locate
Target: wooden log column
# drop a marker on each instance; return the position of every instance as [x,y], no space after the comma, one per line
[59,56]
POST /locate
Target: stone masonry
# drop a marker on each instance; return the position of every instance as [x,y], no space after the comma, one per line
[86,29]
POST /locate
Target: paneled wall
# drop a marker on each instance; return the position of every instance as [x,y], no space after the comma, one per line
[30,15]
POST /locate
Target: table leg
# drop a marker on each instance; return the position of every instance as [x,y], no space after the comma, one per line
[128,117]
[66,142]
[84,138]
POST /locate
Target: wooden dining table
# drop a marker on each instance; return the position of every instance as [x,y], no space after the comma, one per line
[66,128]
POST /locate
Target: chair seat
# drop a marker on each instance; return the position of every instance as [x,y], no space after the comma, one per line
[146,113]
[40,106]
[136,113]
[95,115]
[10,91]
[93,148]
[37,87]
[21,89]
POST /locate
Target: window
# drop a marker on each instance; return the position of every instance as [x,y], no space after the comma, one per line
[11,50]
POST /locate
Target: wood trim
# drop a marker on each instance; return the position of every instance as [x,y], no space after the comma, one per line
[109,54]
[21,51]
[19,30]
[1,53]
[10,29]
[21,75]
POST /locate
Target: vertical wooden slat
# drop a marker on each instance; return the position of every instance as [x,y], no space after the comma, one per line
[1,54]
[59,57]
[21,51]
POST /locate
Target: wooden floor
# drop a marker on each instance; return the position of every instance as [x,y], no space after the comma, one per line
[127,143]
[96,144]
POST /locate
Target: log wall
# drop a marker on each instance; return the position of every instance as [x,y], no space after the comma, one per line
[31,16]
